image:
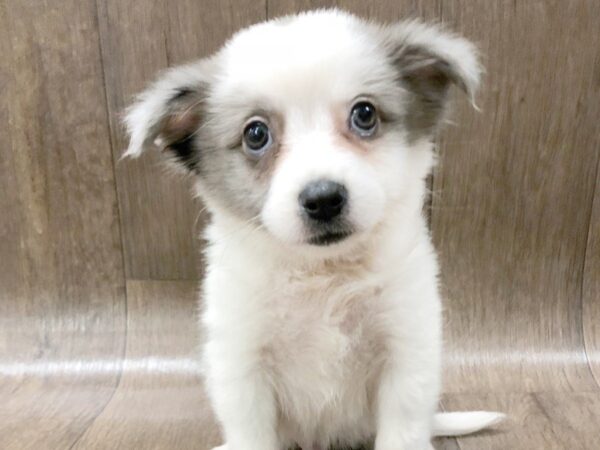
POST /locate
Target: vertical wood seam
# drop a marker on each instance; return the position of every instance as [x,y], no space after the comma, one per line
[110,143]
[124,280]
[166,30]
[583,271]
[112,146]
[122,364]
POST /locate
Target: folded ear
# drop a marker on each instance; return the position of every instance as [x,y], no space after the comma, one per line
[170,112]
[428,60]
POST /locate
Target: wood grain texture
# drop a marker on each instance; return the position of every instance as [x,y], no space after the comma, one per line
[159,219]
[149,397]
[62,292]
[61,254]
[160,400]
[386,11]
[512,197]
[549,420]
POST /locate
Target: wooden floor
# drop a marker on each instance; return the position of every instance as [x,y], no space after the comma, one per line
[138,387]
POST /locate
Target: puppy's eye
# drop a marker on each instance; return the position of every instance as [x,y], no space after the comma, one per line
[363,119]
[257,137]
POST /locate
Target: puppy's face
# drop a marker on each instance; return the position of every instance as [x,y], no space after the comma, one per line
[313,125]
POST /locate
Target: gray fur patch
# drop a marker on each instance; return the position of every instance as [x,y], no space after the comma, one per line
[426,77]
[427,81]
[230,178]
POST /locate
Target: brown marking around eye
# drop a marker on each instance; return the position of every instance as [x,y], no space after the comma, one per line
[266,165]
[346,138]
[387,115]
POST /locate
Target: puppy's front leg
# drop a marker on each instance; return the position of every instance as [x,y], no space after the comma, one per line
[406,404]
[244,404]
[410,382]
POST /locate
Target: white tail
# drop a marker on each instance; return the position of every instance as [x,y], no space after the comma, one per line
[459,423]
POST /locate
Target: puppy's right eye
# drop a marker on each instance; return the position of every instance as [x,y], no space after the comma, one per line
[257,138]
[363,119]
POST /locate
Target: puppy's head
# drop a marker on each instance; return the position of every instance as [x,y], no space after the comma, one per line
[314,125]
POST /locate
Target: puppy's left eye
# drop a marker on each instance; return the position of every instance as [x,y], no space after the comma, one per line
[257,138]
[364,119]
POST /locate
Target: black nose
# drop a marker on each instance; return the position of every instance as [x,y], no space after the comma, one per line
[323,200]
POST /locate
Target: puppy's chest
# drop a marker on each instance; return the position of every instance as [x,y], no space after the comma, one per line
[327,340]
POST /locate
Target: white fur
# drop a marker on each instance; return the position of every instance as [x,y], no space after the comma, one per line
[459,423]
[318,345]
[317,334]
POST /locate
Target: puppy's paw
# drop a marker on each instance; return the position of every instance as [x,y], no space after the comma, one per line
[220,447]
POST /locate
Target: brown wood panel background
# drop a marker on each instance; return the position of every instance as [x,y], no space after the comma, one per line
[62,287]
[99,257]
[514,194]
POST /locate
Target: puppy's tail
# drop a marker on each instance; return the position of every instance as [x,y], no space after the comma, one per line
[459,423]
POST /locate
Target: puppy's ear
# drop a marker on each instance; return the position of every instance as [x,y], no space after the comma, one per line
[170,112]
[428,60]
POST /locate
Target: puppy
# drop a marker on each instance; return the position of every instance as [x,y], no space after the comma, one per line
[309,138]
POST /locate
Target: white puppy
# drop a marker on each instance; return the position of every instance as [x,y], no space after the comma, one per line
[309,138]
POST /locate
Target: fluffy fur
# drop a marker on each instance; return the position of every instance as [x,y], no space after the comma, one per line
[317,345]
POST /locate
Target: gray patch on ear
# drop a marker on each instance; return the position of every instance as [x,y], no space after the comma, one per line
[427,61]
[427,80]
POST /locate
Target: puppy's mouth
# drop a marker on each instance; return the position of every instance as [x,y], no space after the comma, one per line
[329,238]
